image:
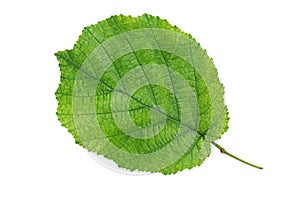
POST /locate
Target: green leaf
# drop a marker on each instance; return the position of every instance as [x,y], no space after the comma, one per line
[143,93]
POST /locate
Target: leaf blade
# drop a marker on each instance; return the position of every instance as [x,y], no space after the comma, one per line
[101,59]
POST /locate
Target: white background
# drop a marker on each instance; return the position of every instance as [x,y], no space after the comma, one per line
[256,49]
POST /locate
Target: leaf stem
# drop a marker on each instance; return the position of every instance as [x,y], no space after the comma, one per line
[223,151]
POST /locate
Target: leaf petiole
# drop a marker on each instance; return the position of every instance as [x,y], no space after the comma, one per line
[223,151]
